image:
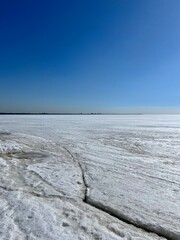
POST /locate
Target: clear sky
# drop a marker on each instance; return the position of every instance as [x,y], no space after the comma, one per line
[89,55]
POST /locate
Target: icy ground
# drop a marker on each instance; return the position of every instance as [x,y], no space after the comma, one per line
[90,177]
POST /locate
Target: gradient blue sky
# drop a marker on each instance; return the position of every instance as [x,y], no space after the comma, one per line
[89,55]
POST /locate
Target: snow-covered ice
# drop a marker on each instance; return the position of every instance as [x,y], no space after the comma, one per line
[90,177]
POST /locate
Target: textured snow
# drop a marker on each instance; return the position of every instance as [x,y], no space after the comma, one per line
[9,146]
[56,171]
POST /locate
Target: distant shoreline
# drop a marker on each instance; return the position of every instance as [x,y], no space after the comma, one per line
[2,113]
[91,113]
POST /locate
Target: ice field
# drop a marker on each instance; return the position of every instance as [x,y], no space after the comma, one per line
[90,177]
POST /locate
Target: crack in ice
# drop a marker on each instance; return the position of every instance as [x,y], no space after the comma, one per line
[107,209]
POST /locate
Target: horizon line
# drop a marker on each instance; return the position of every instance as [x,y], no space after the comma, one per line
[85,113]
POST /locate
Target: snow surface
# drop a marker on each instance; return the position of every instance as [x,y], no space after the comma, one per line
[89,177]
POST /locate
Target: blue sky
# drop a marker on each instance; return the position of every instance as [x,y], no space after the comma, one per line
[93,55]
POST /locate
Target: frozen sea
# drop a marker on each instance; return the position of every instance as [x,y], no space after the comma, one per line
[90,177]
